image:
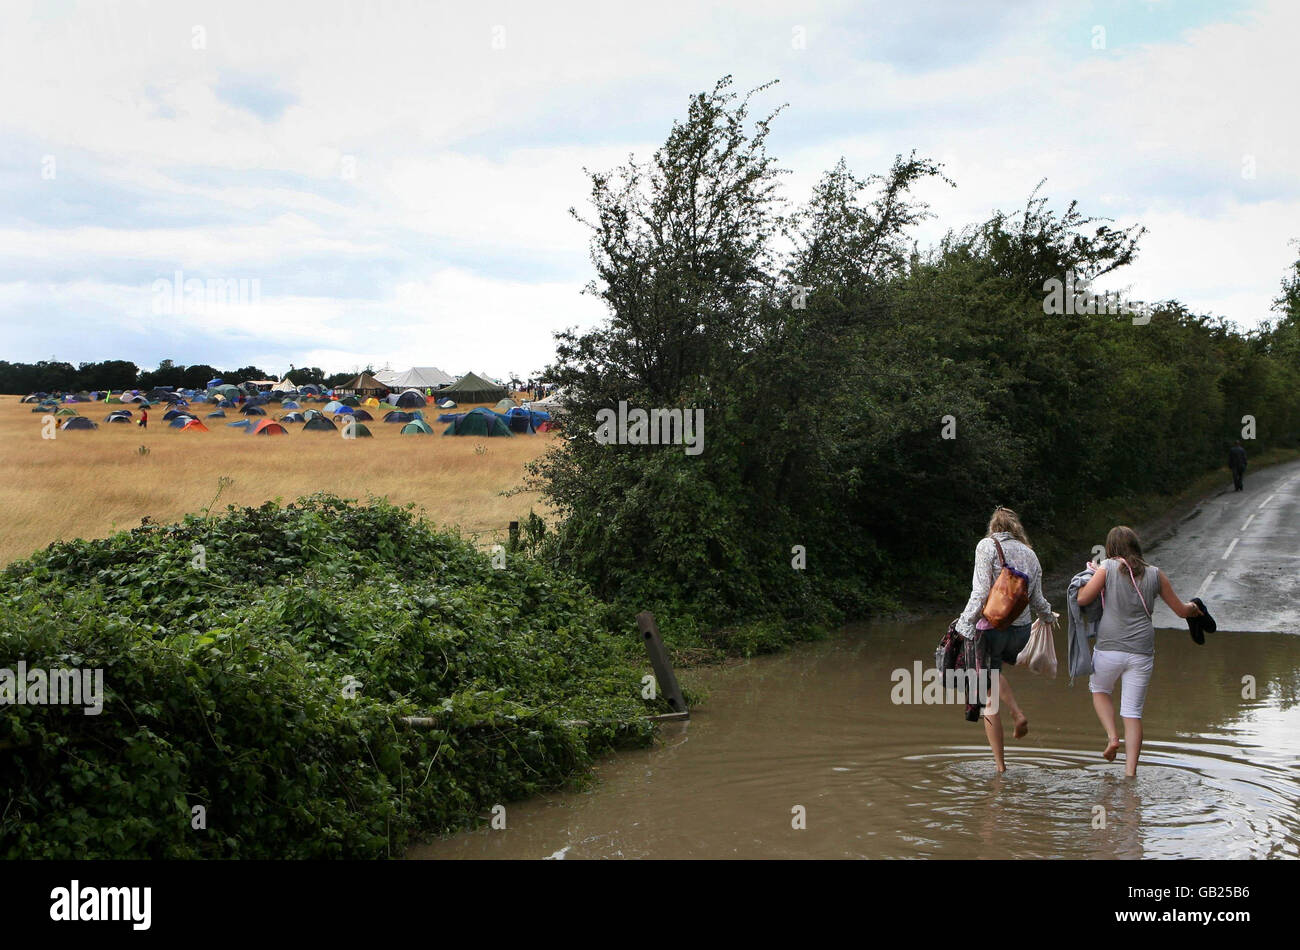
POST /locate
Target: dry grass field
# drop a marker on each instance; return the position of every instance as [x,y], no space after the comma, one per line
[89,484]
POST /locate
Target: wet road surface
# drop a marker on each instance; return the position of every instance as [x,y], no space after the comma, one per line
[1240,553]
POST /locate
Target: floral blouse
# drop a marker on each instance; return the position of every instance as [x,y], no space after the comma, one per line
[987,566]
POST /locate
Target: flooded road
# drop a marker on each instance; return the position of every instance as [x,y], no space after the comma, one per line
[816,728]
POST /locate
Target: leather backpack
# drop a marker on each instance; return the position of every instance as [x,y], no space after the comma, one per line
[1009,596]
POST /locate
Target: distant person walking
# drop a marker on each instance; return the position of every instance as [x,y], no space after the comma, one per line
[144,418]
[1004,532]
[1126,637]
[1237,463]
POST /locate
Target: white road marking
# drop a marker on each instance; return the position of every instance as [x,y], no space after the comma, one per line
[1205,583]
[1267,500]
[1248,521]
[1230,547]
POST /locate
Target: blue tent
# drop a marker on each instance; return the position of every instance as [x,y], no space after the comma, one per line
[215,381]
[219,414]
[246,424]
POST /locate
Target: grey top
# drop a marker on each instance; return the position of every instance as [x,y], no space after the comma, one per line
[1126,625]
[987,567]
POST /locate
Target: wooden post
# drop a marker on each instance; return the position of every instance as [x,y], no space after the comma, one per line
[659,660]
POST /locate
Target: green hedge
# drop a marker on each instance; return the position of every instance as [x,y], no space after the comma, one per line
[227,688]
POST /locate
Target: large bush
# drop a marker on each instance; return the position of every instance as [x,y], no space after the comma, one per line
[268,686]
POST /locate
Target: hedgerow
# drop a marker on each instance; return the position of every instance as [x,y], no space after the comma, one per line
[259,665]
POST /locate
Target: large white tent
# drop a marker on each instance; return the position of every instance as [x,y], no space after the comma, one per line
[284,386]
[418,377]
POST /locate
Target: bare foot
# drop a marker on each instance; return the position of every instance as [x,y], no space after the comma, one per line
[1111,748]
[1022,728]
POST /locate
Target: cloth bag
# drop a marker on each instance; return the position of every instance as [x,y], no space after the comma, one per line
[1039,654]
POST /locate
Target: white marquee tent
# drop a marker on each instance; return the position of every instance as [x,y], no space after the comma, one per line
[417,377]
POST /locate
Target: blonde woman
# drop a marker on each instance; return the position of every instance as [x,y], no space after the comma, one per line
[1004,645]
[1126,637]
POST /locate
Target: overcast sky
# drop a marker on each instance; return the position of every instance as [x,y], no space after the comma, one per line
[396,175]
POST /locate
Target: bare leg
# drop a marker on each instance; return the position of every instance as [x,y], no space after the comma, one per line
[1105,708]
[1017,714]
[1132,745]
[993,729]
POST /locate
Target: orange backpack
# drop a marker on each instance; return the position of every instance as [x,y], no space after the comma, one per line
[1009,596]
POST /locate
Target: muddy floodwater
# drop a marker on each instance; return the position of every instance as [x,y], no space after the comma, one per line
[816,727]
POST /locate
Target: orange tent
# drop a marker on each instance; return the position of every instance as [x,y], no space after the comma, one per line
[194,424]
[268,427]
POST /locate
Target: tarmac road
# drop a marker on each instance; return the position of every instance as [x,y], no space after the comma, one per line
[1240,553]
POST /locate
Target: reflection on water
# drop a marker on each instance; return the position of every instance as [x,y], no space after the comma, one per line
[1220,775]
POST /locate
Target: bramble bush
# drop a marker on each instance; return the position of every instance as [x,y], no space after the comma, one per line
[226,682]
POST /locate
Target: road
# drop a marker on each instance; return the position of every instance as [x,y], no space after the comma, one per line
[1240,553]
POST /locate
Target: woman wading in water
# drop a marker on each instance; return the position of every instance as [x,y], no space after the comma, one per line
[1126,637]
[1004,645]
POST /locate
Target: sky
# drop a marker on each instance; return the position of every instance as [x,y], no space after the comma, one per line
[388,183]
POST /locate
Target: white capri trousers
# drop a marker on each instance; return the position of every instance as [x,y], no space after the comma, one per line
[1132,669]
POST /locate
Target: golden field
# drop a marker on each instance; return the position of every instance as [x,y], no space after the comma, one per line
[88,484]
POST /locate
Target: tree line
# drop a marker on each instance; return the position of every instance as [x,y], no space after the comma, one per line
[55,376]
[867,401]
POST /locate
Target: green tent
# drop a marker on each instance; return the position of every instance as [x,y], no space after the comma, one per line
[472,388]
[227,391]
[417,427]
[505,404]
[478,422]
[359,431]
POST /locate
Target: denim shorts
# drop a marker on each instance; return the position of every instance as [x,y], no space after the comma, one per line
[1005,645]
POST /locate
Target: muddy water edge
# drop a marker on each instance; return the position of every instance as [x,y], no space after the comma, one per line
[816,728]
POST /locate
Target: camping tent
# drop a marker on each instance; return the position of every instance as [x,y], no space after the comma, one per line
[420,377]
[333,406]
[319,424]
[77,422]
[479,422]
[194,425]
[268,427]
[554,403]
[225,391]
[363,385]
[473,388]
[293,417]
[504,404]
[417,427]
[372,402]
[362,416]
[284,386]
[252,410]
[410,398]
[357,431]
[115,417]
[219,414]
[398,416]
